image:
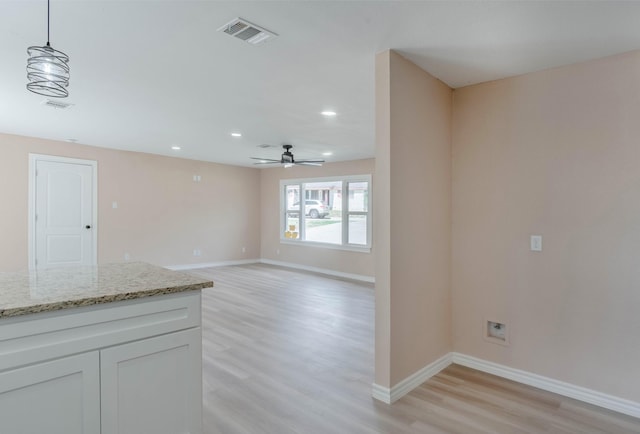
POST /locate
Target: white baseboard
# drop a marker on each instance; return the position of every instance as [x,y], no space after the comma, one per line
[381,393]
[211,264]
[600,399]
[391,395]
[293,265]
[359,277]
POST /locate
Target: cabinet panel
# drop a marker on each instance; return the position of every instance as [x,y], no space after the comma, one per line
[153,385]
[56,397]
[33,338]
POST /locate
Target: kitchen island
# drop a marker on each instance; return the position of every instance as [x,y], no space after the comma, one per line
[108,349]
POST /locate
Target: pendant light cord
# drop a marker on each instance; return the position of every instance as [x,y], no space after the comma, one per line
[48,8]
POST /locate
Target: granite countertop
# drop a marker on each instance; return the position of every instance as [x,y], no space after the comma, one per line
[24,293]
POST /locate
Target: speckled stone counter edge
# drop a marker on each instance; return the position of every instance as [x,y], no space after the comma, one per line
[53,306]
[35,291]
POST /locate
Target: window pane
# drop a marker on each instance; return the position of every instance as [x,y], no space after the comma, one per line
[358,196]
[327,230]
[291,228]
[292,197]
[323,193]
[358,229]
[292,225]
[323,222]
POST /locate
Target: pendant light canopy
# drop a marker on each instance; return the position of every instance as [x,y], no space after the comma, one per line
[48,69]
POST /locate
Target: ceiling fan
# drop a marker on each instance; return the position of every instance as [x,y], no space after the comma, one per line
[287,159]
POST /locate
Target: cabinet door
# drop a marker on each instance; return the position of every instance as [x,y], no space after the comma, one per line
[61,396]
[153,386]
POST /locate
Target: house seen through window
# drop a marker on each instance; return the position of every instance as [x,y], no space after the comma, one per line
[329,211]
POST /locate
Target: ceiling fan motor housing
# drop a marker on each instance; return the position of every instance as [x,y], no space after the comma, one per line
[287,156]
[287,159]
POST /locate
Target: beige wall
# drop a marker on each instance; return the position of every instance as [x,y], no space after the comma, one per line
[554,153]
[382,221]
[162,214]
[331,259]
[413,218]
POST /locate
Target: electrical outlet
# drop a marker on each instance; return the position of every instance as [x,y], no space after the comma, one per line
[127,256]
[244,250]
[197,252]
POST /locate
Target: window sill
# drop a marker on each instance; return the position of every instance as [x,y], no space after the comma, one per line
[349,248]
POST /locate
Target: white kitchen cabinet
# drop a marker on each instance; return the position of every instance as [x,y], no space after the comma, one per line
[54,397]
[153,386]
[127,367]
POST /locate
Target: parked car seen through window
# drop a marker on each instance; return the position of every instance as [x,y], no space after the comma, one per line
[314,209]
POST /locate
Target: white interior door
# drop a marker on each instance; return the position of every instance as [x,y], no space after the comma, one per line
[64,217]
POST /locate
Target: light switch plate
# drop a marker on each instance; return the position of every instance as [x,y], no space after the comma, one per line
[536,243]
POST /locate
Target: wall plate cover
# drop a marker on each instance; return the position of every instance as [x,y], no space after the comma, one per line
[536,243]
[495,331]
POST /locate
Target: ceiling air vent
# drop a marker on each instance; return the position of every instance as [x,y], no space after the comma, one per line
[246,31]
[57,104]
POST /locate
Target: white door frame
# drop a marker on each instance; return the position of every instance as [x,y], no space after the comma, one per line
[33,159]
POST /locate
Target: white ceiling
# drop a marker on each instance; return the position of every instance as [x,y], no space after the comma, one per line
[146,75]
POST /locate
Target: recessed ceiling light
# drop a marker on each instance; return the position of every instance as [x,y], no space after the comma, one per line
[236,134]
[326,154]
[328,113]
[176,148]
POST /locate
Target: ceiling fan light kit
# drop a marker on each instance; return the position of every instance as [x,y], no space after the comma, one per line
[287,160]
[48,69]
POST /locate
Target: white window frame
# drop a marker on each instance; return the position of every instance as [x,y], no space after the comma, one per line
[345,212]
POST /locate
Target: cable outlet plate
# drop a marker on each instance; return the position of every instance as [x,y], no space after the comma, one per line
[496,332]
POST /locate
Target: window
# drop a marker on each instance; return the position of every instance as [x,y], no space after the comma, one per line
[335,212]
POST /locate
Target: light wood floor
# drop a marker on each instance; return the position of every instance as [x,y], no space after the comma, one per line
[292,352]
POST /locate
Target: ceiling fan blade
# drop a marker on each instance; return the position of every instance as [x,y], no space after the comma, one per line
[265,160]
[309,163]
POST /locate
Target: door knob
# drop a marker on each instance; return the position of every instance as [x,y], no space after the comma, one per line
[88,227]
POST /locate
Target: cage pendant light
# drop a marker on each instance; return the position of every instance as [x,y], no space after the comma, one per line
[48,69]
